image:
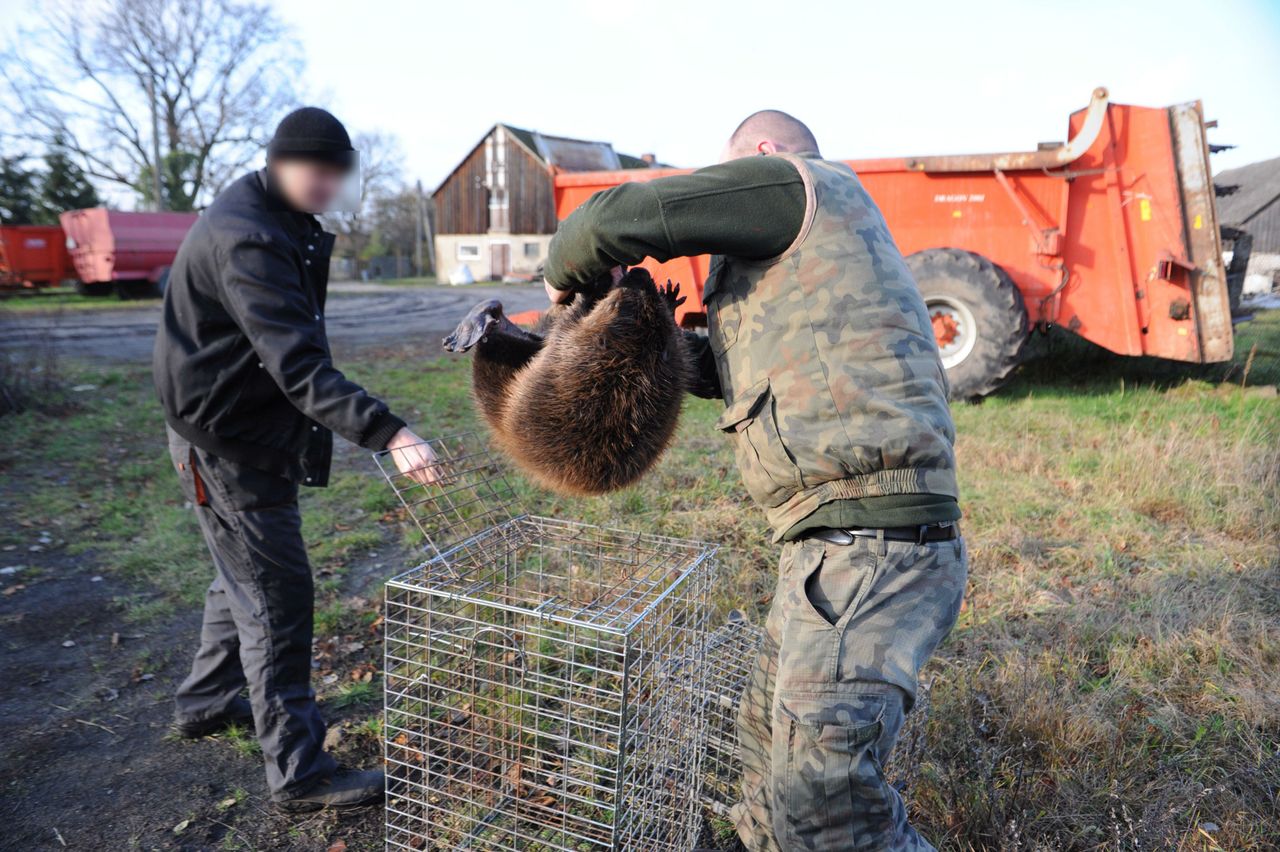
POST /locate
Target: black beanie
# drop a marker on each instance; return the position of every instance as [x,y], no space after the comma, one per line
[312,133]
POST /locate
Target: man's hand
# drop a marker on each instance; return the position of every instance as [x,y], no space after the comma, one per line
[415,458]
[559,297]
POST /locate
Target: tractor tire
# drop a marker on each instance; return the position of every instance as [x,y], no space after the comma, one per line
[978,317]
[95,288]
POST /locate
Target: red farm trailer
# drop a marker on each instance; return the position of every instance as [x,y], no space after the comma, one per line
[128,251]
[33,256]
[1113,235]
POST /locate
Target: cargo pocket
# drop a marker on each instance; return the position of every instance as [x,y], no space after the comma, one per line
[831,793]
[768,470]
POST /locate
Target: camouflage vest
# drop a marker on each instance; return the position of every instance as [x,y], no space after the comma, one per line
[828,361]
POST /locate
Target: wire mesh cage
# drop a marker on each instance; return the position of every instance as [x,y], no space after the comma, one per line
[531,667]
[731,652]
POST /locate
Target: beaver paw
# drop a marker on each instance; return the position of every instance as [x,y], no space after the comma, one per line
[670,293]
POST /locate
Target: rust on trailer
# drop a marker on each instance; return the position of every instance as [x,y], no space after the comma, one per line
[1202,267]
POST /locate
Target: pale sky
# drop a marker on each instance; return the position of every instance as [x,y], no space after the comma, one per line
[872,79]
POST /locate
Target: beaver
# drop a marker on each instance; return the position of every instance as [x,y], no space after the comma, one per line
[589,400]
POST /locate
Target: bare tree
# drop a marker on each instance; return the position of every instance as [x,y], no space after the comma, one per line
[381,175]
[186,87]
[397,220]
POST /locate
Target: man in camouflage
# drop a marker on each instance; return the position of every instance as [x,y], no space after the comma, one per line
[836,403]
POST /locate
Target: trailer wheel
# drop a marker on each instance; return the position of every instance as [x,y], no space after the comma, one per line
[130,290]
[978,318]
[96,288]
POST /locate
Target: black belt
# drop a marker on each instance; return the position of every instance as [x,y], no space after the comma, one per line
[922,534]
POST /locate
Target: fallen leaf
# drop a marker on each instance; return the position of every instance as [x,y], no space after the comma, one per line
[229,802]
[181,827]
[337,846]
[513,776]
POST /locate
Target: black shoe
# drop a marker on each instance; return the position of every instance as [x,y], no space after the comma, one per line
[237,713]
[346,788]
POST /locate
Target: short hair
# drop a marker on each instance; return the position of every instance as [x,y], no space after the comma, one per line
[784,129]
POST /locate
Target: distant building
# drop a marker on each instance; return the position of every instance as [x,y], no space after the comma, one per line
[495,213]
[1249,212]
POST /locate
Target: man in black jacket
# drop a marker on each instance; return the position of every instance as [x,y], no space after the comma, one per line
[252,399]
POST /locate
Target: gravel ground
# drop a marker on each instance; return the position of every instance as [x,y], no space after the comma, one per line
[358,314]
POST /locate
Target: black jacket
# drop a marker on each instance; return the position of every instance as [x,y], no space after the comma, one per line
[242,363]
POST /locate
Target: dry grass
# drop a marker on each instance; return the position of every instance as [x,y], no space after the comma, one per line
[1115,678]
[1114,681]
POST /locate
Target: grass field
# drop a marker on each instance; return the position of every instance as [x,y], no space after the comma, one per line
[1113,683]
[66,298]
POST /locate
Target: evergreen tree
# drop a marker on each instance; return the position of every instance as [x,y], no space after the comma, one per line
[63,186]
[18,193]
[175,183]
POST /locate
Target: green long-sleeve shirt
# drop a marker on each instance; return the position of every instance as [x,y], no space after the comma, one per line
[750,208]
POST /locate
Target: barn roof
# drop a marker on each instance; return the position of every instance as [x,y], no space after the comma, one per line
[1257,187]
[564,152]
[1254,205]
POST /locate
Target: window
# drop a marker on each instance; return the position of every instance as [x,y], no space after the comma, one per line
[468,251]
[533,251]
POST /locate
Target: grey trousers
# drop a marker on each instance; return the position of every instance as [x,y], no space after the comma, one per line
[257,615]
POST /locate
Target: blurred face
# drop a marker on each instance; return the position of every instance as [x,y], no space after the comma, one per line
[309,186]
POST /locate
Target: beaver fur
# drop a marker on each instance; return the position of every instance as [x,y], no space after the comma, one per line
[589,400]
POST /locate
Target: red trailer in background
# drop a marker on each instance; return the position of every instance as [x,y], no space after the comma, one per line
[1113,235]
[131,252]
[33,256]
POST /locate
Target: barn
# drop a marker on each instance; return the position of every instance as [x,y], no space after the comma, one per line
[495,212]
[1249,211]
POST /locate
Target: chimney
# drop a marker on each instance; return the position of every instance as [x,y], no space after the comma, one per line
[651,159]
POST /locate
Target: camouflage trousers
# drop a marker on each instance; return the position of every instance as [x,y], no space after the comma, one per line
[849,629]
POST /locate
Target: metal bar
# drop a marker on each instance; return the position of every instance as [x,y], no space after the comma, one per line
[1048,158]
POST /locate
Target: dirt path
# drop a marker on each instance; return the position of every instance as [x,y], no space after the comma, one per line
[358,314]
[87,758]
